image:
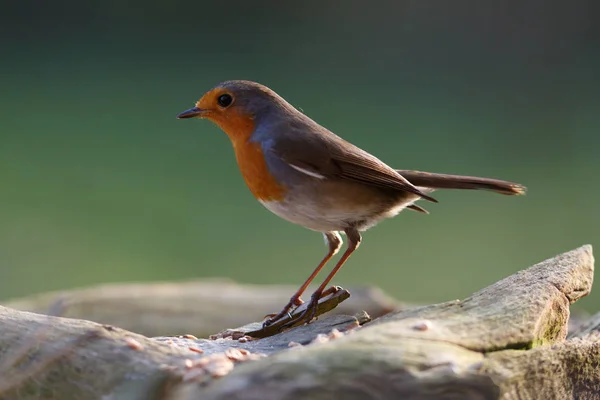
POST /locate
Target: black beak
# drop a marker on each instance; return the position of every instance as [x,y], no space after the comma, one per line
[191,113]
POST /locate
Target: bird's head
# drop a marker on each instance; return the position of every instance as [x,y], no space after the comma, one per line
[238,106]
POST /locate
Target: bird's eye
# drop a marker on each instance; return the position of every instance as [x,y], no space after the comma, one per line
[225,100]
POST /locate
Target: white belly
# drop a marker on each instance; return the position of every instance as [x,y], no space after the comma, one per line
[317,218]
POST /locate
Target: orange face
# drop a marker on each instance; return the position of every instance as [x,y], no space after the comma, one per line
[219,106]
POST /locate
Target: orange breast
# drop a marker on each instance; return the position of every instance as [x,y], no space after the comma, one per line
[249,155]
[255,172]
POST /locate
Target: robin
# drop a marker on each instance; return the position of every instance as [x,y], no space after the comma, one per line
[309,176]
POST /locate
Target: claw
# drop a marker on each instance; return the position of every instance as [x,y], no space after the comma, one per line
[331,290]
[287,311]
[268,322]
[307,315]
[317,305]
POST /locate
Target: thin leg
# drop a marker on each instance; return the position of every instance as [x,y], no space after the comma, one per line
[334,242]
[354,240]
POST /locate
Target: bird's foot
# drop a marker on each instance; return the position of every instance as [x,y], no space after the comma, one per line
[318,305]
[311,309]
[294,303]
[305,316]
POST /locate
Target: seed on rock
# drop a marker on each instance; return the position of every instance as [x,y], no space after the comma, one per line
[422,325]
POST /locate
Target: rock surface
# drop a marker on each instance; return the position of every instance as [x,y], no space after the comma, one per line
[507,341]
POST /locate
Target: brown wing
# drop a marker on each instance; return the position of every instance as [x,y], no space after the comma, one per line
[328,155]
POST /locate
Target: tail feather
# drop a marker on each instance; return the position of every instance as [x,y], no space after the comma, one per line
[446,181]
[415,207]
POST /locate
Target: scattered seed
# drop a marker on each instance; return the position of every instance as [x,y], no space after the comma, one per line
[133,344]
[234,354]
[320,338]
[334,334]
[196,350]
[188,336]
[219,368]
[422,325]
[189,364]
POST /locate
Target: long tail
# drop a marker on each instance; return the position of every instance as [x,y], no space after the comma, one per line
[445,181]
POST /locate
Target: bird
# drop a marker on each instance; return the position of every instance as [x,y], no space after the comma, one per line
[307,175]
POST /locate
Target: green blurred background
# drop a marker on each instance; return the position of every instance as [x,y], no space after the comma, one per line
[100,182]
